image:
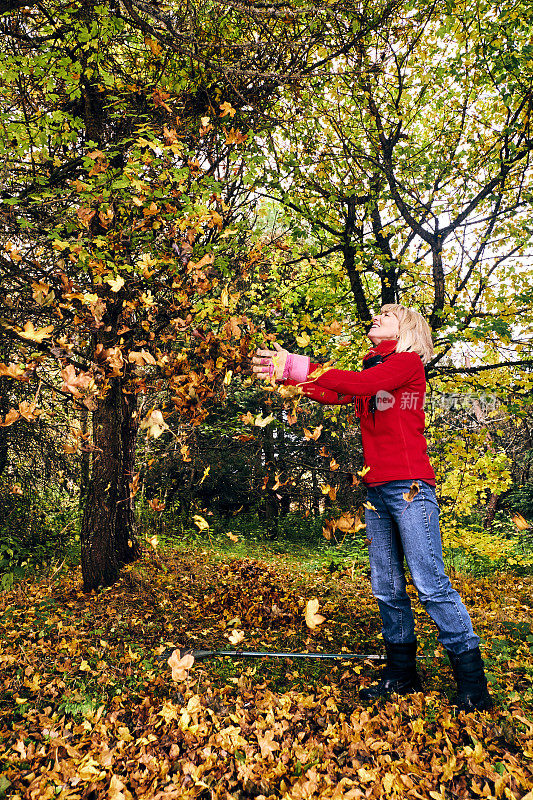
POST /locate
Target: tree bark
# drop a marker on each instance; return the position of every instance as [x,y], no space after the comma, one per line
[99,559]
[128,548]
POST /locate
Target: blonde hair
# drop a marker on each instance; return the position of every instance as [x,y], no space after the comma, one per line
[415,333]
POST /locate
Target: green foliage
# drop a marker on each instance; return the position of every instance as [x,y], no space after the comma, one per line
[36,529]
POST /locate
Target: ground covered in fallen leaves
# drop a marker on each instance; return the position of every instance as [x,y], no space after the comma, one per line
[89,709]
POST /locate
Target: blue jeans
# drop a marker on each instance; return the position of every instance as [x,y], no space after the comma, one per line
[398,528]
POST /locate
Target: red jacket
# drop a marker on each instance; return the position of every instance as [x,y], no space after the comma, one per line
[394,445]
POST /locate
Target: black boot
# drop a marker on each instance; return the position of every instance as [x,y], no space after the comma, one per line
[398,676]
[472,691]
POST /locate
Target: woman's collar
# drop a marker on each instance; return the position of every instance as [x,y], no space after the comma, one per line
[383,348]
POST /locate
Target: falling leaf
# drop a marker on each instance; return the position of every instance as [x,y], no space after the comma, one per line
[345,522]
[200,523]
[315,435]
[236,637]
[153,541]
[369,506]
[312,618]
[154,423]
[207,470]
[134,484]
[362,472]
[334,329]
[303,340]
[34,335]
[227,108]
[115,284]
[262,423]
[141,358]
[521,523]
[413,491]
[180,666]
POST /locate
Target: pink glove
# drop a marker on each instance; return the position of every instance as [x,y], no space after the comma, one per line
[296,368]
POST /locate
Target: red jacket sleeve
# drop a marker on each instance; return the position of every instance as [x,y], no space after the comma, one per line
[321,395]
[394,372]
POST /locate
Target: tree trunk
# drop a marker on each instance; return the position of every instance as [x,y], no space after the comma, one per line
[128,548]
[99,562]
[4,432]
[85,459]
[108,538]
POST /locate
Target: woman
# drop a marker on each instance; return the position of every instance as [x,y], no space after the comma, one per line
[403,518]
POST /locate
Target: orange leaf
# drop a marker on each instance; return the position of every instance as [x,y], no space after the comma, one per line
[413,491]
[521,523]
[315,435]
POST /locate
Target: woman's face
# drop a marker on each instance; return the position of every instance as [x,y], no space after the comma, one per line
[385,326]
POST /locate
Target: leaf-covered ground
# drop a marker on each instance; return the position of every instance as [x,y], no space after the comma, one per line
[89,709]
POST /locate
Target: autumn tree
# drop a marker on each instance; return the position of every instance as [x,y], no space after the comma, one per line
[410,162]
[123,140]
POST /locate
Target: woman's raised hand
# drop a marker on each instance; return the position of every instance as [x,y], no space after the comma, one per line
[270,363]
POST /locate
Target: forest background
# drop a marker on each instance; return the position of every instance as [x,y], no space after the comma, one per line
[180,183]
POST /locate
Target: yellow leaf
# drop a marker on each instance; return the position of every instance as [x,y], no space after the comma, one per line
[84,667]
[200,522]
[207,470]
[232,536]
[154,46]
[303,340]
[316,433]
[362,472]
[169,710]
[312,619]
[227,108]
[262,423]
[116,284]
[236,636]
[34,335]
